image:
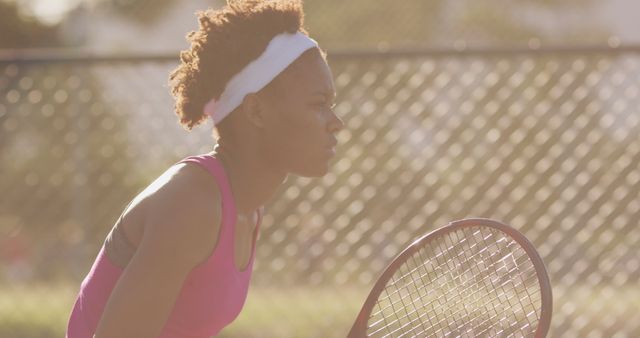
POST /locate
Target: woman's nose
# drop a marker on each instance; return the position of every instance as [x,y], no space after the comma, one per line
[335,124]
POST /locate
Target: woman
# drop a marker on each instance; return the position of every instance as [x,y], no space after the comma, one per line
[178,261]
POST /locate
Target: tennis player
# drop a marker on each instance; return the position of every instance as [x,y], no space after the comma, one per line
[178,261]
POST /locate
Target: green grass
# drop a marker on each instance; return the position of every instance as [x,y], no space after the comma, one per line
[298,312]
[36,311]
[41,311]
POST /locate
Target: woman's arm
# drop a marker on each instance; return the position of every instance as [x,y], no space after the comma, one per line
[181,228]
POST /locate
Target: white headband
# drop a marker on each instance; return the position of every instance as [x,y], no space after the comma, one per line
[282,50]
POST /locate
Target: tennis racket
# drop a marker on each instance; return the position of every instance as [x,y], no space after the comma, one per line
[471,278]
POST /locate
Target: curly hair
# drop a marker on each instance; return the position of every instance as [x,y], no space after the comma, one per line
[226,41]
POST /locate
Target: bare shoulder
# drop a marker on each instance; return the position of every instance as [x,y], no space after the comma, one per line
[182,215]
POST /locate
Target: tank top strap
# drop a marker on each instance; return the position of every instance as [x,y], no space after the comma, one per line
[215,168]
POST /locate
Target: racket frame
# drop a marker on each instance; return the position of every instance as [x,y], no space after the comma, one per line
[359,328]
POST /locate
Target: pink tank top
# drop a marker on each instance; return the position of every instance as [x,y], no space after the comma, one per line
[212,295]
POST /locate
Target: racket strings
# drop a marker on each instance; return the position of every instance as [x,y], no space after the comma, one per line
[398,290]
[473,296]
[466,298]
[522,260]
[410,272]
[517,284]
[460,300]
[466,280]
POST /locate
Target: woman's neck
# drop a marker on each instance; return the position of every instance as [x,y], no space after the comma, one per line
[252,180]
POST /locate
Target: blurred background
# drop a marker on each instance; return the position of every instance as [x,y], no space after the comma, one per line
[523,111]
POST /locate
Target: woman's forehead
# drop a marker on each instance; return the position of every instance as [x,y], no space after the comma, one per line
[309,74]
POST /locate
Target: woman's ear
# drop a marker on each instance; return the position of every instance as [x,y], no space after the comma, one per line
[253,110]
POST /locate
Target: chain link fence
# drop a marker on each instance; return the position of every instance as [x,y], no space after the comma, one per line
[461,24]
[545,140]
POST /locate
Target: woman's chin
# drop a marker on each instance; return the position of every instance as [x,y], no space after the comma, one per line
[317,171]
